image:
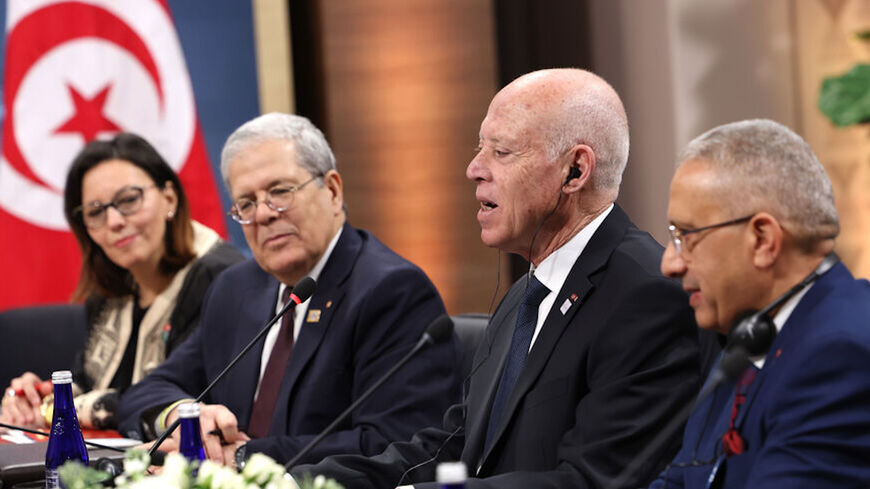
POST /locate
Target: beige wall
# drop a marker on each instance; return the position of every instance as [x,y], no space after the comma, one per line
[684,66]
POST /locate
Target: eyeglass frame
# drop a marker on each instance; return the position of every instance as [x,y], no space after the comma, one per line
[104,208]
[234,212]
[677,233]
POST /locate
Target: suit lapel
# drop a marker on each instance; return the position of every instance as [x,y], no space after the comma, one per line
[318,318]
[487,372]
[580,281]
[791,333]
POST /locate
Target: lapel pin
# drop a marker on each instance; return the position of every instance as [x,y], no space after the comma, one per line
[565,306]
[574,297]
[313,316]
[328,304]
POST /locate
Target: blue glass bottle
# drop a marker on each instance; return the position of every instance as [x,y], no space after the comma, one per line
[65,441]
[191,439]
[451,475]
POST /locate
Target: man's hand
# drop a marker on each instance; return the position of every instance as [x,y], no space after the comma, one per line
[25,410]
[214,419]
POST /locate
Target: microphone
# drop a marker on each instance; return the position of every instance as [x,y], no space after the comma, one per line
[116,467]
[437,332]
[301,292]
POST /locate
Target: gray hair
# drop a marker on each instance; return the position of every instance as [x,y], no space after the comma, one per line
[313,153]
[773,170]
[593,114]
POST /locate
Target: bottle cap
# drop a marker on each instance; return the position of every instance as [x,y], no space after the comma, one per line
[188,410]
[451,473]
[61,377]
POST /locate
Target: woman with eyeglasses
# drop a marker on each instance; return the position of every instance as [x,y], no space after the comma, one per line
[145,269]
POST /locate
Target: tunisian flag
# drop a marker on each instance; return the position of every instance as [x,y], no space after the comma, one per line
[76,71]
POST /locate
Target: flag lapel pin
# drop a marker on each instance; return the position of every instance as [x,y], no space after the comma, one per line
[567,304]
[313,316]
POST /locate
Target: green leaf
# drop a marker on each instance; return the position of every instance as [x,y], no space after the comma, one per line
[76,476]
[846,99]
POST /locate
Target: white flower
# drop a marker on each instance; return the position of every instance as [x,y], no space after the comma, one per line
[261,470]
[220,477]
[135,465]
[154,482]
[176,470]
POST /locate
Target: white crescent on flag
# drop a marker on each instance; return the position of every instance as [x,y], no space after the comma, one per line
[103,67]
[75,71]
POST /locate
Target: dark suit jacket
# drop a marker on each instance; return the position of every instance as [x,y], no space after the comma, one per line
[806,418]
[598,383]
[374,307]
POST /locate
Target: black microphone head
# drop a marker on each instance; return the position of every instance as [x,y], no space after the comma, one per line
[158,458]
[108,466]
[753,331]
[440,329]
[304,289]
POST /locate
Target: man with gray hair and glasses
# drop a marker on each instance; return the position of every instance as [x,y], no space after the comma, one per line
[370,308]
[752,223]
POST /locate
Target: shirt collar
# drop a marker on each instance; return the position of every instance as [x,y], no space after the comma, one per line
[554,269]
[781,317]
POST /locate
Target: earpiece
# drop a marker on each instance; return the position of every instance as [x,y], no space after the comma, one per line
[573,173]
[754,331]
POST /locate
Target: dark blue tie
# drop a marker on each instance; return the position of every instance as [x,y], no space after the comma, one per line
[527,318]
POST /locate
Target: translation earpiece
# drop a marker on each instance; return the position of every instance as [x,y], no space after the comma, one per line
[753,331]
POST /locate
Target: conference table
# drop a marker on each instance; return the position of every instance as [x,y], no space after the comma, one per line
[22,456]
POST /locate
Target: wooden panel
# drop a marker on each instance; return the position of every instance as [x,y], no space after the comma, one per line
[826,46]
[407,83]
[274,59]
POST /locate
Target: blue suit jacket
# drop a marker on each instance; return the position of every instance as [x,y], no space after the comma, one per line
[806,418]
[374,307]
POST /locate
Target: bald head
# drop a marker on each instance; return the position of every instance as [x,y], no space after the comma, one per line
[570,106]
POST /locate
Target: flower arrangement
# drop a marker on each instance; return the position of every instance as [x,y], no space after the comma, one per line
[260,472]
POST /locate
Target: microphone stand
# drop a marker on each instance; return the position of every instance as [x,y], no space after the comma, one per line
[729,367]
[43,433]
[290,304]
[423,341]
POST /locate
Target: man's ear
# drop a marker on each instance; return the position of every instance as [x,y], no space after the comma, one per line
[581,168]
[332,182]
[766,236]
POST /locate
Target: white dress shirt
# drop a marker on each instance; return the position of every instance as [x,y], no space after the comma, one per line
[298,312]
[780,318]
[554,270]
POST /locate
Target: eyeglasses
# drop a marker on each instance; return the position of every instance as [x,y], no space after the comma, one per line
[278,198]
[678,233]
[127,201]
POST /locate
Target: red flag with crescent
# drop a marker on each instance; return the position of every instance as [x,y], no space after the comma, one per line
[75,71]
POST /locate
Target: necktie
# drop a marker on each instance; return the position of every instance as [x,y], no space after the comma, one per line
[732,443]
[270,384]
[527,318]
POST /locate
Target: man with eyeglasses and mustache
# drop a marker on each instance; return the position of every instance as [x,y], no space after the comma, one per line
[752,228]
[370,308]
